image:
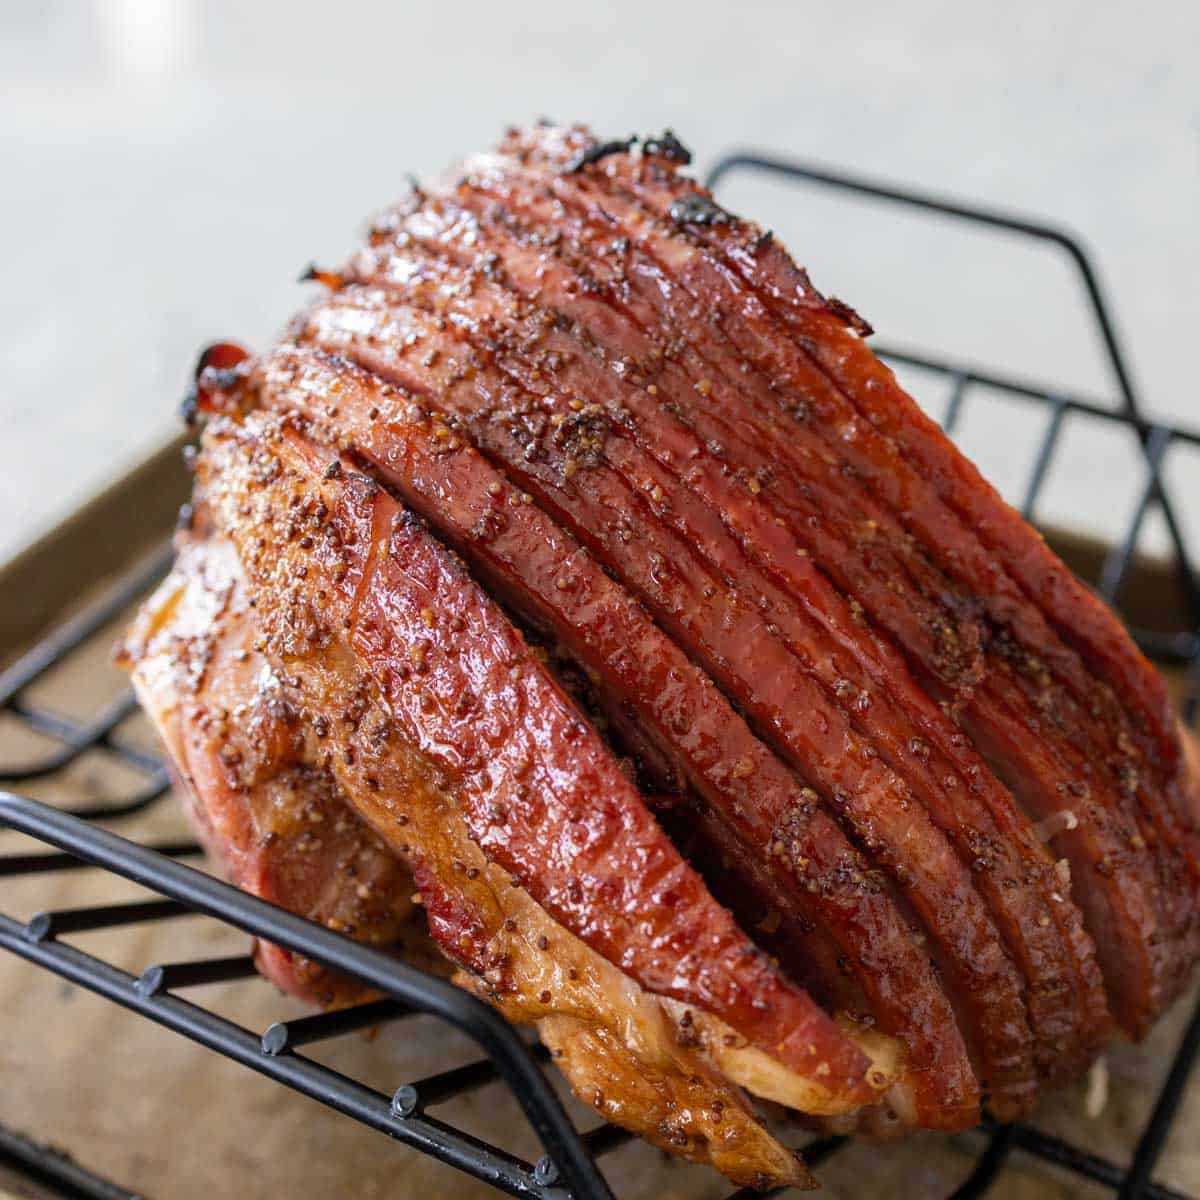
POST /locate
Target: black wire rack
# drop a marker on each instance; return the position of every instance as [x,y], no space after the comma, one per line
[568,1169]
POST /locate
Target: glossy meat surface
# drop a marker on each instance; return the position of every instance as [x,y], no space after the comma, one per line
[598,558]
[753,293]
[398,342]
[329,556]
[1148,861]
[668,1073]
[746,788]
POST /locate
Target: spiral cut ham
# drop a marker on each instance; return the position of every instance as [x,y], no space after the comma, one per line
[573,562]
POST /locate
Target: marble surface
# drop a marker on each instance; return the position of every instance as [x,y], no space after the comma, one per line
[169,167]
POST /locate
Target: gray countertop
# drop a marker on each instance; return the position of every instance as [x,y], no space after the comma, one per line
[170,166]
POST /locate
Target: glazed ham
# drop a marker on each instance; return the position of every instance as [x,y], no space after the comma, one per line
[574,554]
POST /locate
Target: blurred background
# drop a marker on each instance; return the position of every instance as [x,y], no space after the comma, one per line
[171,165]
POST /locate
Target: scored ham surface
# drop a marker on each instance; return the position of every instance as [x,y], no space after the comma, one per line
[572,502]
[746,788]
[338,568]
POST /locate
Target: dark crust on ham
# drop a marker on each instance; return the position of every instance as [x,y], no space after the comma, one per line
[543,797]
